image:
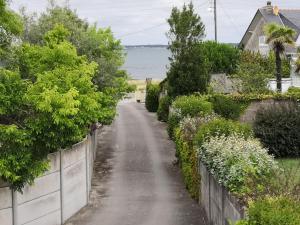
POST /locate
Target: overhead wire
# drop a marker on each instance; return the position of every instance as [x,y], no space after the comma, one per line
[153,27]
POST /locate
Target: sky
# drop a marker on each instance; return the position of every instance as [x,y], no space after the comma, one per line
[143,22]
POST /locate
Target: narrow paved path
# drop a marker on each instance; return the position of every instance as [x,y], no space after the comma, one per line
[135,181]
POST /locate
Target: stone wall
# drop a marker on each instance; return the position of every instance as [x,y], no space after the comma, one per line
[220,206]
[58,194]
[250,113]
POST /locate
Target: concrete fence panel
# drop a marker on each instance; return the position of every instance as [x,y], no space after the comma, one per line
[220,206]
[6,213]
[57,195]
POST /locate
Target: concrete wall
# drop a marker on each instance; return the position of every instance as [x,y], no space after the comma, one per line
[250,113]
[58,194]
[286,84]
[220,206]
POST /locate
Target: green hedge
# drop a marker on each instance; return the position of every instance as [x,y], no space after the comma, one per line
[219,127]
[278,127]
[152,97]
[187,106]
[226,107]
[188,160]
[273,211]
[163,108]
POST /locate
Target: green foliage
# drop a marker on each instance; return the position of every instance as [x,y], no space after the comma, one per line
[152,97]
[223,58]
[221,127]
[186,153]
[188,159]
[192,105]
[278,128]
[279,37]
[242,165]
[163,108]
[51,108]
[226,107]
[189,70]
[97,44]
[273,211]
[11,26]
[294,91]
[187,106]
[255,70]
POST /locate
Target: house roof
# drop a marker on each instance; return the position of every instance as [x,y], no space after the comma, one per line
[286,17]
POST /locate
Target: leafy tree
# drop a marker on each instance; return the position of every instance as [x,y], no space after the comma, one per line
[223,58]
[48,106]
[298,62]
[99,45]
[254,71]
[10,24]
[278,37]
[189,70]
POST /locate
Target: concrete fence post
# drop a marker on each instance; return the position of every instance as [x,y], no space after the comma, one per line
[61,171]
[15,207]
[87,167]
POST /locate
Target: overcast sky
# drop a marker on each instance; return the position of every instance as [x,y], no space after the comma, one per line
[144,21]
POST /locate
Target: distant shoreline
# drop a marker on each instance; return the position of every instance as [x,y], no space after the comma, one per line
[145,46]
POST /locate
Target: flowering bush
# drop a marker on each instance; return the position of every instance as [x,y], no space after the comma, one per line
[240,165]
[189,126]
[187,106]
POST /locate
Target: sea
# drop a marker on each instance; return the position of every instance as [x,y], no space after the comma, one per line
[147,62]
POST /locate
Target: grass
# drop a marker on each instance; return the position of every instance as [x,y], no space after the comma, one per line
[291,169]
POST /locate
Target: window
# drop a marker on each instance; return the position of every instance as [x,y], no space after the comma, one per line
[262,40]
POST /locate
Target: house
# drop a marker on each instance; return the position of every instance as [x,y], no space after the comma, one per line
[255,40]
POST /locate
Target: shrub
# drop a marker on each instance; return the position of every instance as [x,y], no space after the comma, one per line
[226,107]
[278,127]
[187,105]
[294,90]
[223,58]
[152,97]
[241,165]
[273,211]
[189,164]
[51,109]
[163,108]
[186,153]
[221,127]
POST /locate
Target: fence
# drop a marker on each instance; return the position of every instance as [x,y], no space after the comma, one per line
[221,208]
[58,194]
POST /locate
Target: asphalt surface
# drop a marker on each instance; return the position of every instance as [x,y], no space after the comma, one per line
[135,180]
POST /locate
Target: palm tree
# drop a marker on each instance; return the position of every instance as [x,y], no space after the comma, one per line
[278,37]
[298,62]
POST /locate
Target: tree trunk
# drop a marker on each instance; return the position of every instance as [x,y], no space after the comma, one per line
[278,71]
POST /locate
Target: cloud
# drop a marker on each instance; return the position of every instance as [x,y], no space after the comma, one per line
[132,16]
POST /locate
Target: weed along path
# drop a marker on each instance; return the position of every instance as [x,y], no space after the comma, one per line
[135,181]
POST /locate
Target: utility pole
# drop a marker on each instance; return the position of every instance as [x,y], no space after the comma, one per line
[215,18]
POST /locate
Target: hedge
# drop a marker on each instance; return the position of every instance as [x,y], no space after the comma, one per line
[187,106]
[273,211]
[163,108]
[278,127]
[226,107]
[223,127]
[152,97]
[186,153]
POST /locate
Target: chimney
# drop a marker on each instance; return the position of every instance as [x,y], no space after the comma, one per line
[269,7]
